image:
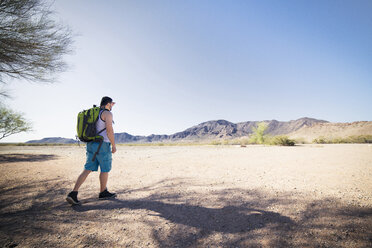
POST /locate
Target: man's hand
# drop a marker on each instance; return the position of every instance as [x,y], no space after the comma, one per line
[113,149]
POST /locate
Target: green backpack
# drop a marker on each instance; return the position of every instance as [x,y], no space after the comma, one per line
[86,127]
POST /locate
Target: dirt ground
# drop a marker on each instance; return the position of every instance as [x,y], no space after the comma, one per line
[190,196]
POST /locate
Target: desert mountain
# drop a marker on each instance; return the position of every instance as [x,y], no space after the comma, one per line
[332,130]
[220,129]
[210,130]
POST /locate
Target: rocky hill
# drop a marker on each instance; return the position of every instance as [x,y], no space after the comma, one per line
[219,129]
[127,138]
[332,130]
[210,130]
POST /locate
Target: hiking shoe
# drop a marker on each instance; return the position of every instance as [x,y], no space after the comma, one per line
[106,195]
[72,198]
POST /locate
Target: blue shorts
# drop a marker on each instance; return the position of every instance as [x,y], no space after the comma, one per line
[103,158]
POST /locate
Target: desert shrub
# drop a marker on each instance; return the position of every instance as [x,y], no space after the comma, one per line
[338,140]
[258,136]
[216,142]
[162,144]
[244,142]
[239,141]
[221,142]
[281,140]
[234,142]
[320,140]
[300,141]
[360,139]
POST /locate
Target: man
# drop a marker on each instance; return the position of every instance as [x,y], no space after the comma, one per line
[103,158]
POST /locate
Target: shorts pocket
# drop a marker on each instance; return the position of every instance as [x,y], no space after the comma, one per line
[106,163]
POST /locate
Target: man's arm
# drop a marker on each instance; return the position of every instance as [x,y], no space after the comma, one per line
[107,117]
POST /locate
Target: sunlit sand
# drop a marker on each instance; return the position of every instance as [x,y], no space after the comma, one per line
[191,196]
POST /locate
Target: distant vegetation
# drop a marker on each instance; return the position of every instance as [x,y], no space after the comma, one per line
[281,140]
[163,144]
[12,122]
[258,136]
[361,139]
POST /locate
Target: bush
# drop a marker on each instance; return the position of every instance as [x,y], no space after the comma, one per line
[244,142]
[320,140]
[234,142]
[300,141]
[281,141]
[360,139]
[216,142]
[258,136]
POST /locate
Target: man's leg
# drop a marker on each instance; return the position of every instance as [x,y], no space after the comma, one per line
[103,178]
[72,196]
[81,179]
[105,194]
[105,159]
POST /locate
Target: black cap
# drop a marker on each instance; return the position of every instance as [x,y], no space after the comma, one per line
[105,100]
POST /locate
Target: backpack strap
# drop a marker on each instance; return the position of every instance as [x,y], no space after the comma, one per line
[99,147]
[103,110]
[101,131]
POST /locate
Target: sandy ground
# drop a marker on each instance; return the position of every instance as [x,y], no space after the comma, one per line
[190,196]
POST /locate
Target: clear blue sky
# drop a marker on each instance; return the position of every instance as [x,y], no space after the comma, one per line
[172,64]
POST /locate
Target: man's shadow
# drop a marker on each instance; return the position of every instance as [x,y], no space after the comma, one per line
[229,219]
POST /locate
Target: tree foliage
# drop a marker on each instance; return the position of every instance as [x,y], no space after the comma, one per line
[12,123]
[258,136]
[32,43]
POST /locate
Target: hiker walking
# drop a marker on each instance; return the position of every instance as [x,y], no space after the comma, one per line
[99,153]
